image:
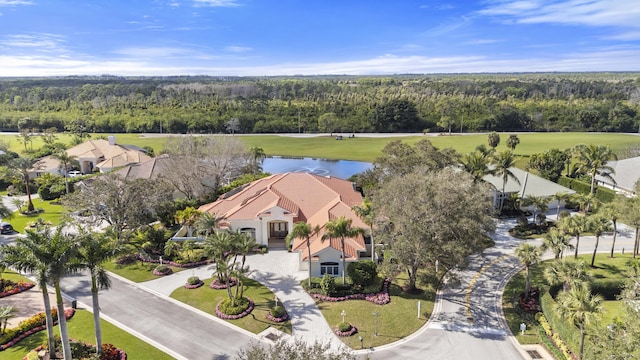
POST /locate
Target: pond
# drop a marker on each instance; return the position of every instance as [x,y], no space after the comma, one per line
[343,169]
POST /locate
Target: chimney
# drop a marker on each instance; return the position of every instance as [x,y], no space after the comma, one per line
[112,140]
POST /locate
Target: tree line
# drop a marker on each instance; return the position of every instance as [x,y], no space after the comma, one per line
[408,103]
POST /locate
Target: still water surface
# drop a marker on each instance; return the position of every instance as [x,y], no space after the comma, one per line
[324,167]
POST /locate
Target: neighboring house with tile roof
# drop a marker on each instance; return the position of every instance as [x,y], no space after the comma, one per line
[626,174]
[268,208]
[104,155]
[529,184]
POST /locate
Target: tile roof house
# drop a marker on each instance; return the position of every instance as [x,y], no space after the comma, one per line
[268,209]
[104,155]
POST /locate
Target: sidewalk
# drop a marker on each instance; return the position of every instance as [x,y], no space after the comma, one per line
[278,271]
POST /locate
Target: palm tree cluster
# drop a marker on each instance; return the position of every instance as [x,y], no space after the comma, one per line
[50,255]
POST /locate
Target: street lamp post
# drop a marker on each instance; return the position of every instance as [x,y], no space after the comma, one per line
[376,315]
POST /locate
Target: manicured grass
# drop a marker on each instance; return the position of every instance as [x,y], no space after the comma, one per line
[14,276]
[398,319]
[206,299]
[81,328]
[52,213]
[605,268]
[137,272]
[367,149]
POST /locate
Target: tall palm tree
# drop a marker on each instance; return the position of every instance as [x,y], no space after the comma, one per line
[592,160]
[188,217]
[559,197]
[584,201]
[95,250]
[257,157]
[528,255]
[49,257]
[366,213]
[503,162]
[21,167]
[302,230]
[580,307]
[341,229]
[566,272]
[612,212]
[557,241]
[575,225]
[598,225]
[66,161]
[6,313]
[630,208]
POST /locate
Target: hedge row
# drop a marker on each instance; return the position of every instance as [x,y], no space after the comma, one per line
[566,330]
[603,194]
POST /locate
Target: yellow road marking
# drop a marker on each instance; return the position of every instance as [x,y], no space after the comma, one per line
[473,282]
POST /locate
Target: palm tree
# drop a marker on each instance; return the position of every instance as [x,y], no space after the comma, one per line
[187,217]
[528,255]
[612,212]
[580,307]
[49,257]
[341,229]
[206,223]
[598,225]
[566,272]
[584,201]
[513,141]
[302,230]
[555,240]
[21,168]
[538,203]
[592,160]
[6,313]
[477,164]
[366,213]
[560,197]
[95,250]
[575,225]
[257,156]
[503,163]
[66,161]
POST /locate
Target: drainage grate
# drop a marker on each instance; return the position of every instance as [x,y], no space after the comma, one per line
[534,354]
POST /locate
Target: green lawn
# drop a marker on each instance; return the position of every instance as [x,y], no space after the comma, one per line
[397,320]
[52,213]
[206,299]
[137,272]
[605,268]
[367,149]
[81,328]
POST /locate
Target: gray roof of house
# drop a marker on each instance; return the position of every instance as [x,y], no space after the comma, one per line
[627,172]
[529,184]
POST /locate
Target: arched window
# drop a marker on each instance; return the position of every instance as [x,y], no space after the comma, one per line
[330,268]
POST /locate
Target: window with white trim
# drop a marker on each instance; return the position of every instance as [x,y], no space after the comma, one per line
[331,268]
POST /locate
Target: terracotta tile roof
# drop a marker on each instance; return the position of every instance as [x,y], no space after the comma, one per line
[307,197]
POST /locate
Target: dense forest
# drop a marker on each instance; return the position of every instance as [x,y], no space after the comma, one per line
[407,103]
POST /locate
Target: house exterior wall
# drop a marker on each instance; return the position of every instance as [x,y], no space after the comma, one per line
[256,224]
[261,224]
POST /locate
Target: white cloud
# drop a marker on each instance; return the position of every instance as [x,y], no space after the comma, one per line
[154,52]
[215,3]
[237,49]
[36,42]
[481,41]
[617,13]
[15,2]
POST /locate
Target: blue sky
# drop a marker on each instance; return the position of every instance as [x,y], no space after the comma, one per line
[310,37]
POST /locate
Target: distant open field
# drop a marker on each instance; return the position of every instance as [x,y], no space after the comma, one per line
[368,148]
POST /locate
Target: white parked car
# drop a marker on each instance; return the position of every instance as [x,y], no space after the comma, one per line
[74,173]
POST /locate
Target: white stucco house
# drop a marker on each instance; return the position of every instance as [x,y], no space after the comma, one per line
[268,208]
[626,174]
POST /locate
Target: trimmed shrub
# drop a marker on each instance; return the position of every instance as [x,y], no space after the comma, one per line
[362,273]
[344,327]
[328,284]
[278,311]
[194,280]
[241,306]
[567,331]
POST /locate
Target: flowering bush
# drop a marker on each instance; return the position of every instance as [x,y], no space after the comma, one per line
[242,314]
[193,282]
[85,351]
[8,287]
[380,298]
[219,285]
[31,326]
[172,263]
[531,304]
[341,331]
